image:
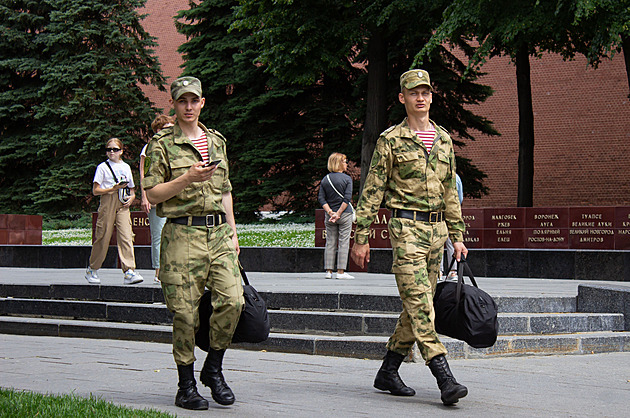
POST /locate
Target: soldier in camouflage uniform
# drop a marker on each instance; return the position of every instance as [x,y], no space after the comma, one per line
[199,243]
[413,171]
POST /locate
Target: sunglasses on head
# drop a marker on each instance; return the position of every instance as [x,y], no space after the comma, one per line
[112,149]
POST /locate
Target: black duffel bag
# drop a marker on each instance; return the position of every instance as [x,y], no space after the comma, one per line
[253,325]
[465,312]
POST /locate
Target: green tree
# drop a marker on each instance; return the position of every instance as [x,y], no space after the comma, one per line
[70,77]
[279,135]
[308,41]
[522,29]
[606,28]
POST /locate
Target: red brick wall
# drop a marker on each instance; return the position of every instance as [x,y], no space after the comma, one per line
[581,116]
[582,128]
[160,23]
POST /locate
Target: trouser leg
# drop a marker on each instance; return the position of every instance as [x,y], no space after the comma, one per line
[345,228]
[332,237]
[103,230]
[417,250]
[156,224]
[124,238]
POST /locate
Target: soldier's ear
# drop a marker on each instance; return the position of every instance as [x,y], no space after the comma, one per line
[401,98]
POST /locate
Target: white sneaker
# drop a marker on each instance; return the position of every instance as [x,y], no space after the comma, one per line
[132,277]
[329,275]
[345,276]
[452,275]
[156,280]
[92,276]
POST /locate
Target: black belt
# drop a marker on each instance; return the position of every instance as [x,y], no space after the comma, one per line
[416,215]
[208,221]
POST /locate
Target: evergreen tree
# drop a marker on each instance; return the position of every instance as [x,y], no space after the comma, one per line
[70,72]
[279,135]
[303,42]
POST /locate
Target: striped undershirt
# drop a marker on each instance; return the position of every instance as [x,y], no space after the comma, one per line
[202,146]
[427,138]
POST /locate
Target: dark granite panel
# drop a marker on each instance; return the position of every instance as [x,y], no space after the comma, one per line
[308,260]
[53,308]
[604,344]
[301,322]
[599,265]
[604,298]
[513,324]
[507,263]
[26,327]
[552,264]
[319,301]
[25,291]
[477,262]
[556,324]
[138,294]
[286,344]
[143,256]
[116,333]
[370,303]
[380,261]
[535,304]
[6,255]
[133,313]
[75,291]
[379,325]
[25,256]
[350,348]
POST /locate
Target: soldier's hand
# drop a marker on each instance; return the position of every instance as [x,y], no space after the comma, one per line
[360,254]
[197,172]
[460,249]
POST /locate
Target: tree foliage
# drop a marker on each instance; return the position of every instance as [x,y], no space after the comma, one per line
[70,77]
[522,29]
[309,42]
[279,135]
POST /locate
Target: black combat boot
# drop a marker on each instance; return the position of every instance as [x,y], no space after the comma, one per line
[212,377]
[451,390]
[388,378]
[187,396]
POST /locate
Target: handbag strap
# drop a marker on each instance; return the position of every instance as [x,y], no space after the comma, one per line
[243,274]
[333,186]
[112,170]
[461,265]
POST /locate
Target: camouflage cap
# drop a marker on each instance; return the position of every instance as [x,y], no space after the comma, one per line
[414,78]
[185,85]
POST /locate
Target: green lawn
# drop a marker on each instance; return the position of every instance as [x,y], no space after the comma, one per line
[19,404]
[250,235]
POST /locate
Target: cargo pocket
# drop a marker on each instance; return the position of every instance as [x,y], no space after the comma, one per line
[443,166]
[410,164]
[172,288]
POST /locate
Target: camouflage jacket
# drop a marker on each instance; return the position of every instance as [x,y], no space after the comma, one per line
[169,155]
[408,177]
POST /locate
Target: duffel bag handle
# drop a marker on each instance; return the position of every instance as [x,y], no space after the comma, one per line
[461,265]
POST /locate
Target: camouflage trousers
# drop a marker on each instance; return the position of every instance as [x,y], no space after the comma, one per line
[191,259]
[418,249]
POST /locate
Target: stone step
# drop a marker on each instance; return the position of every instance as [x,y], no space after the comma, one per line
[275,300]
[317,322]
[372,347]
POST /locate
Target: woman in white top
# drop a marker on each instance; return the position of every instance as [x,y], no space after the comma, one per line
[112,181]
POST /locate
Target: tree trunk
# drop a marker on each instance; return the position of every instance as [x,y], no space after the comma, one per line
[525,129]
[375,114]
[625,45]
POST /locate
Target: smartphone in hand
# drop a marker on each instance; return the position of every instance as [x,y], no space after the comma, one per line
[212,163]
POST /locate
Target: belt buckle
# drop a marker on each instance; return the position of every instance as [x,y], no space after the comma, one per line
[209,218]
[431,220]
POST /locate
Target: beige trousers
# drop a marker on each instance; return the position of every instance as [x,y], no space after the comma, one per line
[111,213]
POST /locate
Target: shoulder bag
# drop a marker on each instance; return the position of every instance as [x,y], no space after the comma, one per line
[465,312]
[123,194]
[253,324]
[354,214]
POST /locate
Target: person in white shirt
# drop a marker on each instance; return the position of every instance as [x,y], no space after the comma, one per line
[113,182]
